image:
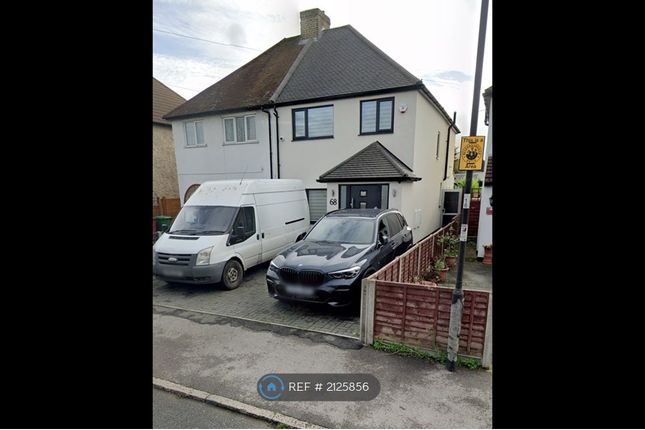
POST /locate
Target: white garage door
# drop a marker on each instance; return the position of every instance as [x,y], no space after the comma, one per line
[317,203]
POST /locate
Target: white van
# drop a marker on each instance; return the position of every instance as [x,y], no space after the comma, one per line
[226,227]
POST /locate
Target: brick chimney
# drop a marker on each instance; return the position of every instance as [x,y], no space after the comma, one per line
[312,23]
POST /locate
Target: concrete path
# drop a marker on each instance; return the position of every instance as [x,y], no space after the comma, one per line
[173,412]
[477,276]
[226,357]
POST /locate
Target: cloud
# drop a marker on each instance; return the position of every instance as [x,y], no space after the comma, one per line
[187,76]
[450,78]
[454,75]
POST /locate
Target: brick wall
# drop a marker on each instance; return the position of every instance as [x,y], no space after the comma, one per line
[312,22]
[473,217]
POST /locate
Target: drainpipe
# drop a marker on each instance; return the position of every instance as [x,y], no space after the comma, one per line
[445,169]
[277,138]
[270,144]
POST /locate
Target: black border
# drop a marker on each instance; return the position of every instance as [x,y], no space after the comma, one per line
[378,110]
[306,111]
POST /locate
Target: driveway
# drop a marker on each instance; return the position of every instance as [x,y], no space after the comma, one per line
[251,301]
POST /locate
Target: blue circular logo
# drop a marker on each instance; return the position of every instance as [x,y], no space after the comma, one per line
[270,387]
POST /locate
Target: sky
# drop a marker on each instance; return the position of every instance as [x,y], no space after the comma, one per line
[436,40]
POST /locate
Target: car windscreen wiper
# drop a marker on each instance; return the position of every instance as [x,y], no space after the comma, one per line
[181,231]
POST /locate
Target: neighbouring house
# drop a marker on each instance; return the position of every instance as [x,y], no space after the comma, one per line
[164,167]
[330,108]
[485,234]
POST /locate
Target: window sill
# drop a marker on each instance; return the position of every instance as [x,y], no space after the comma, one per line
[376,132]
[195,146]
[298,139]
[250,142]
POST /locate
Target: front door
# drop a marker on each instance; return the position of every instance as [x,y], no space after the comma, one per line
[364,197]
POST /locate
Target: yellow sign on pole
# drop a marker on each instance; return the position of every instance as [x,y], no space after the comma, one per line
[471,156]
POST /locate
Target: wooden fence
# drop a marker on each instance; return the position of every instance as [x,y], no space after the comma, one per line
[398,306]
[165,206]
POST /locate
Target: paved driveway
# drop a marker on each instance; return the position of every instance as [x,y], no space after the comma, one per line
[251,301]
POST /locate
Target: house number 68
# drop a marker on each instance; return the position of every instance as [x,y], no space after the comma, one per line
[333,202]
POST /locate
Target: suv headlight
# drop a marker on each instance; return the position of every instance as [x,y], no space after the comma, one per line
[204,257]
[273,267]
[346,273]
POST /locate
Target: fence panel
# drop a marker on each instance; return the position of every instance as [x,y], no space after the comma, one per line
[419,315]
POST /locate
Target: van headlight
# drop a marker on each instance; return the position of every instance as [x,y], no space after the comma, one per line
[204,257]
[346,273]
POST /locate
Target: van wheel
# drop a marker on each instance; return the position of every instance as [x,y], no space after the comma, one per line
[232,275]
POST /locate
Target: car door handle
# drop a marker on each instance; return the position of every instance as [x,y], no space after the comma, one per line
[258,236]
[262,235]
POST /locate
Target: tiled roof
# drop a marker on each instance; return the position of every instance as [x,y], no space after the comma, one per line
[342,62]
[250,86]
[163,101]
[373,162]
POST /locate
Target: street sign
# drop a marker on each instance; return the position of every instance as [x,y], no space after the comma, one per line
[471,156]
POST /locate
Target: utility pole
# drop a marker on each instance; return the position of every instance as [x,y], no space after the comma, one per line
[456,309]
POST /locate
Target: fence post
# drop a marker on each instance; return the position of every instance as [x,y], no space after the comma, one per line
[400,268]
[487,355]
[368,298]
[419,260]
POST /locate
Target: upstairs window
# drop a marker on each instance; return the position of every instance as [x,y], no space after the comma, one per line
[240,129]
[313,123]
[194,133]
[377,116]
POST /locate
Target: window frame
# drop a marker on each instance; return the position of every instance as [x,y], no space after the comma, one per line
[246,130]
[241,213]
[306,111]
[378,116]
[197,144]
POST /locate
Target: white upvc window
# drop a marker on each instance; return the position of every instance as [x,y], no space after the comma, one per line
[240,129]
[194,133]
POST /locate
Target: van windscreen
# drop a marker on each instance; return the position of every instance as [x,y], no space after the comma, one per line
[203,220]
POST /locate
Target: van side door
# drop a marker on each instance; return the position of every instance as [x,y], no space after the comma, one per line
[244,238]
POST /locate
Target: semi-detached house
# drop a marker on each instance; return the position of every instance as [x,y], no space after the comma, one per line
[330,108]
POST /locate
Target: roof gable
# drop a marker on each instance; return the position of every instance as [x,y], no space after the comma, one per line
[163,101]
[372,163]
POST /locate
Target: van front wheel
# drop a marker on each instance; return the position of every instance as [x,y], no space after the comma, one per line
[232,275]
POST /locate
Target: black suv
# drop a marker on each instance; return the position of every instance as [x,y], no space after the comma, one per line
[342,248]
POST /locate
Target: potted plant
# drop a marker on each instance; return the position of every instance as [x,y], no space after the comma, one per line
[441,269]
[488,254]
[450,244]
[451,257]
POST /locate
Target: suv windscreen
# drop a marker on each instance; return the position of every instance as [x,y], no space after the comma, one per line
[359,231]
[198,220]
